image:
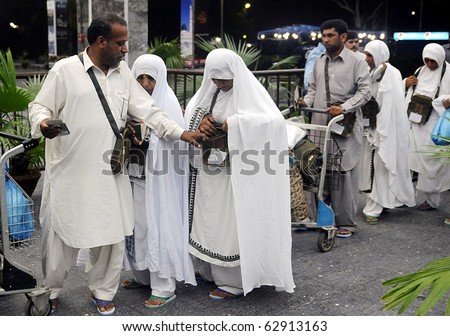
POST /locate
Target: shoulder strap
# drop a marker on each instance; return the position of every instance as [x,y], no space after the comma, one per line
[214,99]
[327,84]
[105,105]
[415,75]
[444,66]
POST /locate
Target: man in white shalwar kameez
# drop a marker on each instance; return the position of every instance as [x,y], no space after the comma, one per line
[433,173]
[83,204]
[158,255]
[240,210]
[386,146]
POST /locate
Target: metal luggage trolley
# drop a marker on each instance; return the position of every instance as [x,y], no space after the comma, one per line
[17,235]
[331,161]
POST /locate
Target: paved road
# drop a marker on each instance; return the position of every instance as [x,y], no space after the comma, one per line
[343,282]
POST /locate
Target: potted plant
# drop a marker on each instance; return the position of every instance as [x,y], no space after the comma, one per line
[14,100]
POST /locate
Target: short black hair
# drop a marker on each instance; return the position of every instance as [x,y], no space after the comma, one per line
[102,27]
[352,35]
[338,24]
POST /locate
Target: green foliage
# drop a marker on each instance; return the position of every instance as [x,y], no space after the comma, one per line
[14,102]
[249,55]
[12,97]
[434,277]
[168,51]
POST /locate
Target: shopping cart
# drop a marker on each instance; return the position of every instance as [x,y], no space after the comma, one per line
[17,234]
[331,161]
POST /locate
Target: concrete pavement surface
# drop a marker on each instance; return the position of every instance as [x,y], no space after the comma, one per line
[347,281]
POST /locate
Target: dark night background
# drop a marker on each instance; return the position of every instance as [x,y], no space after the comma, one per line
[164,19]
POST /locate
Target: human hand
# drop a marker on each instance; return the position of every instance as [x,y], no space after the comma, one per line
[207,125]
[225,126]
[410,81]
[335,110]
[300,103]
[446,103]
[193,138]
[49,131]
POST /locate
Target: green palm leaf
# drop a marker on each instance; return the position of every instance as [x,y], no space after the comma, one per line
[434,277]
[168,51]
[11,100]
[248,55]
[7,70]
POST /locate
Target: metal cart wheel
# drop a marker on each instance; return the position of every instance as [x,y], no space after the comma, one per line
[325,241]
[32,310]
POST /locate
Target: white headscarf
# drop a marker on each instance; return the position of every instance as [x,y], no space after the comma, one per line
[261,197]
[154,66]
[379,51]
[429,80]
[166,193]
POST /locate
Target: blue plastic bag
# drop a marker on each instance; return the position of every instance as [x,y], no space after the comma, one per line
[442,130]
[20,214]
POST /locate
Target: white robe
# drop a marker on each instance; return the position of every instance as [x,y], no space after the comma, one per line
[392,185]
[259,183]
[165,209]
[434,173]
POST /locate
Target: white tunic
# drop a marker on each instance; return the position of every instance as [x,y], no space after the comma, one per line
[392,185]
[87,205]
[259,191]
[434,174]
[165,206]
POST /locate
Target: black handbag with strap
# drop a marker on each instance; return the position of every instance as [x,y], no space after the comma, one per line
[420,106]
[122,146]
[369,112]
[217,141]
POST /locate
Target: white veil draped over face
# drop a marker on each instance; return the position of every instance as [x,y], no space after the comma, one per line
[166,170]
[257,141]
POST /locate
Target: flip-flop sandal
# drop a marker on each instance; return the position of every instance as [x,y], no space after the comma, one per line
[220,294]
[158,301]
[131,284]
[103,305]
[372,220]
[343,233]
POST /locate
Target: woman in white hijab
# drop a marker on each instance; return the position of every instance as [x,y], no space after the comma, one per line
[158,251]
[433,80]
[385,161]
[240,207]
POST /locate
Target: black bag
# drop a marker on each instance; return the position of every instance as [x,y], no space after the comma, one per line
[308,158]
[346,124]
[218,141]
[419,109]
[369,112]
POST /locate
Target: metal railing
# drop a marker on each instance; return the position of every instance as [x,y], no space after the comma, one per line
[281,84]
